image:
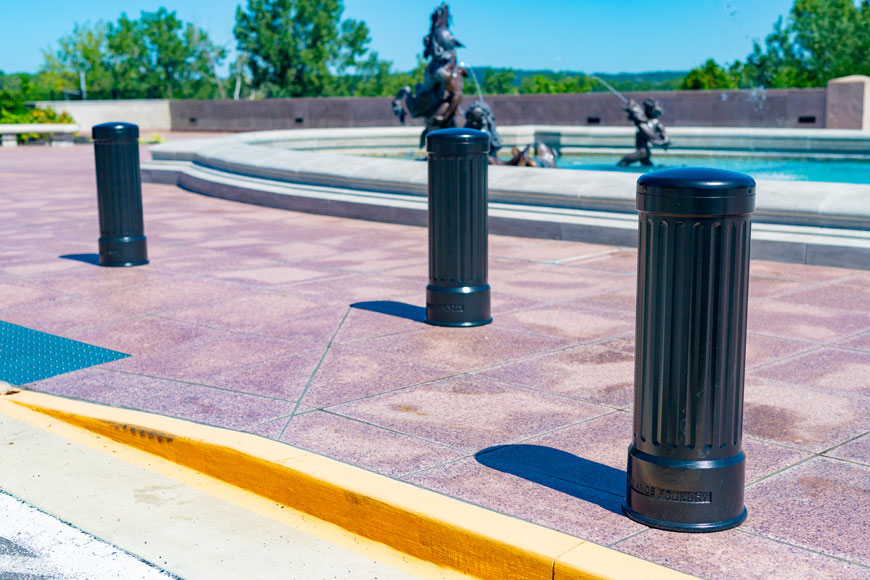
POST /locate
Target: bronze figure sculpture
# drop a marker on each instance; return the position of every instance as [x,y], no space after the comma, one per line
[649,131]
[479,116]
[438,97]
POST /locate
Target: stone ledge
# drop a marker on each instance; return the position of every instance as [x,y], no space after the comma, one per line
[814,245]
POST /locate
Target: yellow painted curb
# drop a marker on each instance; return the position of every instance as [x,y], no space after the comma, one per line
[421,523]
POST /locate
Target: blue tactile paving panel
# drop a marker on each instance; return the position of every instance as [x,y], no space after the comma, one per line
[28,355]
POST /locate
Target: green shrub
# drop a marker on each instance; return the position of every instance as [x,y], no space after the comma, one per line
[14,111]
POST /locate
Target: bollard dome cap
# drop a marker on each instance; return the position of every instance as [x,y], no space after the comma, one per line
[696,191]
[457,141]
[114,131]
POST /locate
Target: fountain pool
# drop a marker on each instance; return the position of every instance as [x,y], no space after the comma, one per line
[827,169]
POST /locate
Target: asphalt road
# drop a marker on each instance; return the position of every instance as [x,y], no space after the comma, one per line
[36,546]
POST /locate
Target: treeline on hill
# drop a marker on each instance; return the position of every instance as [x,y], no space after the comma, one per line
[303,48]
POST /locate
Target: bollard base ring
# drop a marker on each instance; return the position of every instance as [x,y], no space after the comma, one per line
[123,252]
[696,528]
[685,495]
[462,306]
[458,324]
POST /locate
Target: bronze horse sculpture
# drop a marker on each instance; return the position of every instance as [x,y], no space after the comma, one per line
[438,97]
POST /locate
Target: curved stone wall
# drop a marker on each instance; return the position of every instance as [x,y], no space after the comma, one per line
[311,170]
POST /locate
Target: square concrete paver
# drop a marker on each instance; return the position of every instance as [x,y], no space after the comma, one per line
[377,318]
[820,505]
[857,450]
[737,554]
[859,342]
[268,313]
[815,324]
[183,400]
[544,250]
[556,283]
[60,315]
[15,293]
[144,335]
[767,286]
[469,412]
[802,418]
[569,323]
[463,349]
[846,297]
[199,361]
[365,445]
[276,275]
[762,349]
[282,378]
[624,261]
[177,292]
[352,288]
[600,373]
[347,374]
[832,369]
[807,274]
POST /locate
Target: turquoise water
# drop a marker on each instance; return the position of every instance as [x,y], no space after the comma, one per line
[817,169]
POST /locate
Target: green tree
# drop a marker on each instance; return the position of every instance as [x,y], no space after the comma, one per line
[156,56]
[82,51]
[499,81]
[159,56]
[820,40]
[545,84]
[303,48]
[709,76]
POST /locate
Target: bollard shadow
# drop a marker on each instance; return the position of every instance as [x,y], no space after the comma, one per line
[561,471]
[86,258]
[392,308]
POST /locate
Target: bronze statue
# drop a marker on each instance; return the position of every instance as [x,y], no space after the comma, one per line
[649,131]
[438,97]
[479,116]
[649,128]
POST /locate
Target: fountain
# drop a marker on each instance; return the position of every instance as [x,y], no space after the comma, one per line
[364,172]
[439,96]
[649,129]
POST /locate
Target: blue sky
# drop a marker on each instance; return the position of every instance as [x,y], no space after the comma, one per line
[580,35]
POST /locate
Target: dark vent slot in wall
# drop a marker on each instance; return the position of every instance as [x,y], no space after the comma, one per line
[807,119]
[593,120]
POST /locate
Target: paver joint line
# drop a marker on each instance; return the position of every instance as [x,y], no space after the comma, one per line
[314,372]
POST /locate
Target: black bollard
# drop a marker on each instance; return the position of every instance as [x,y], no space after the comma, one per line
[686,463]
[119,195]
[458,292]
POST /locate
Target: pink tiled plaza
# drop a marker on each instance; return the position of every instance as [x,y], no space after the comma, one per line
[307,329]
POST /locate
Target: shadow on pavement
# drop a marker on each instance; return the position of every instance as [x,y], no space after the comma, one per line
[561,471]
[86,258]
[400,309]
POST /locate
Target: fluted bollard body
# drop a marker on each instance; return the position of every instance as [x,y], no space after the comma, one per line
[686,463]
[119,195]
[458,292]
